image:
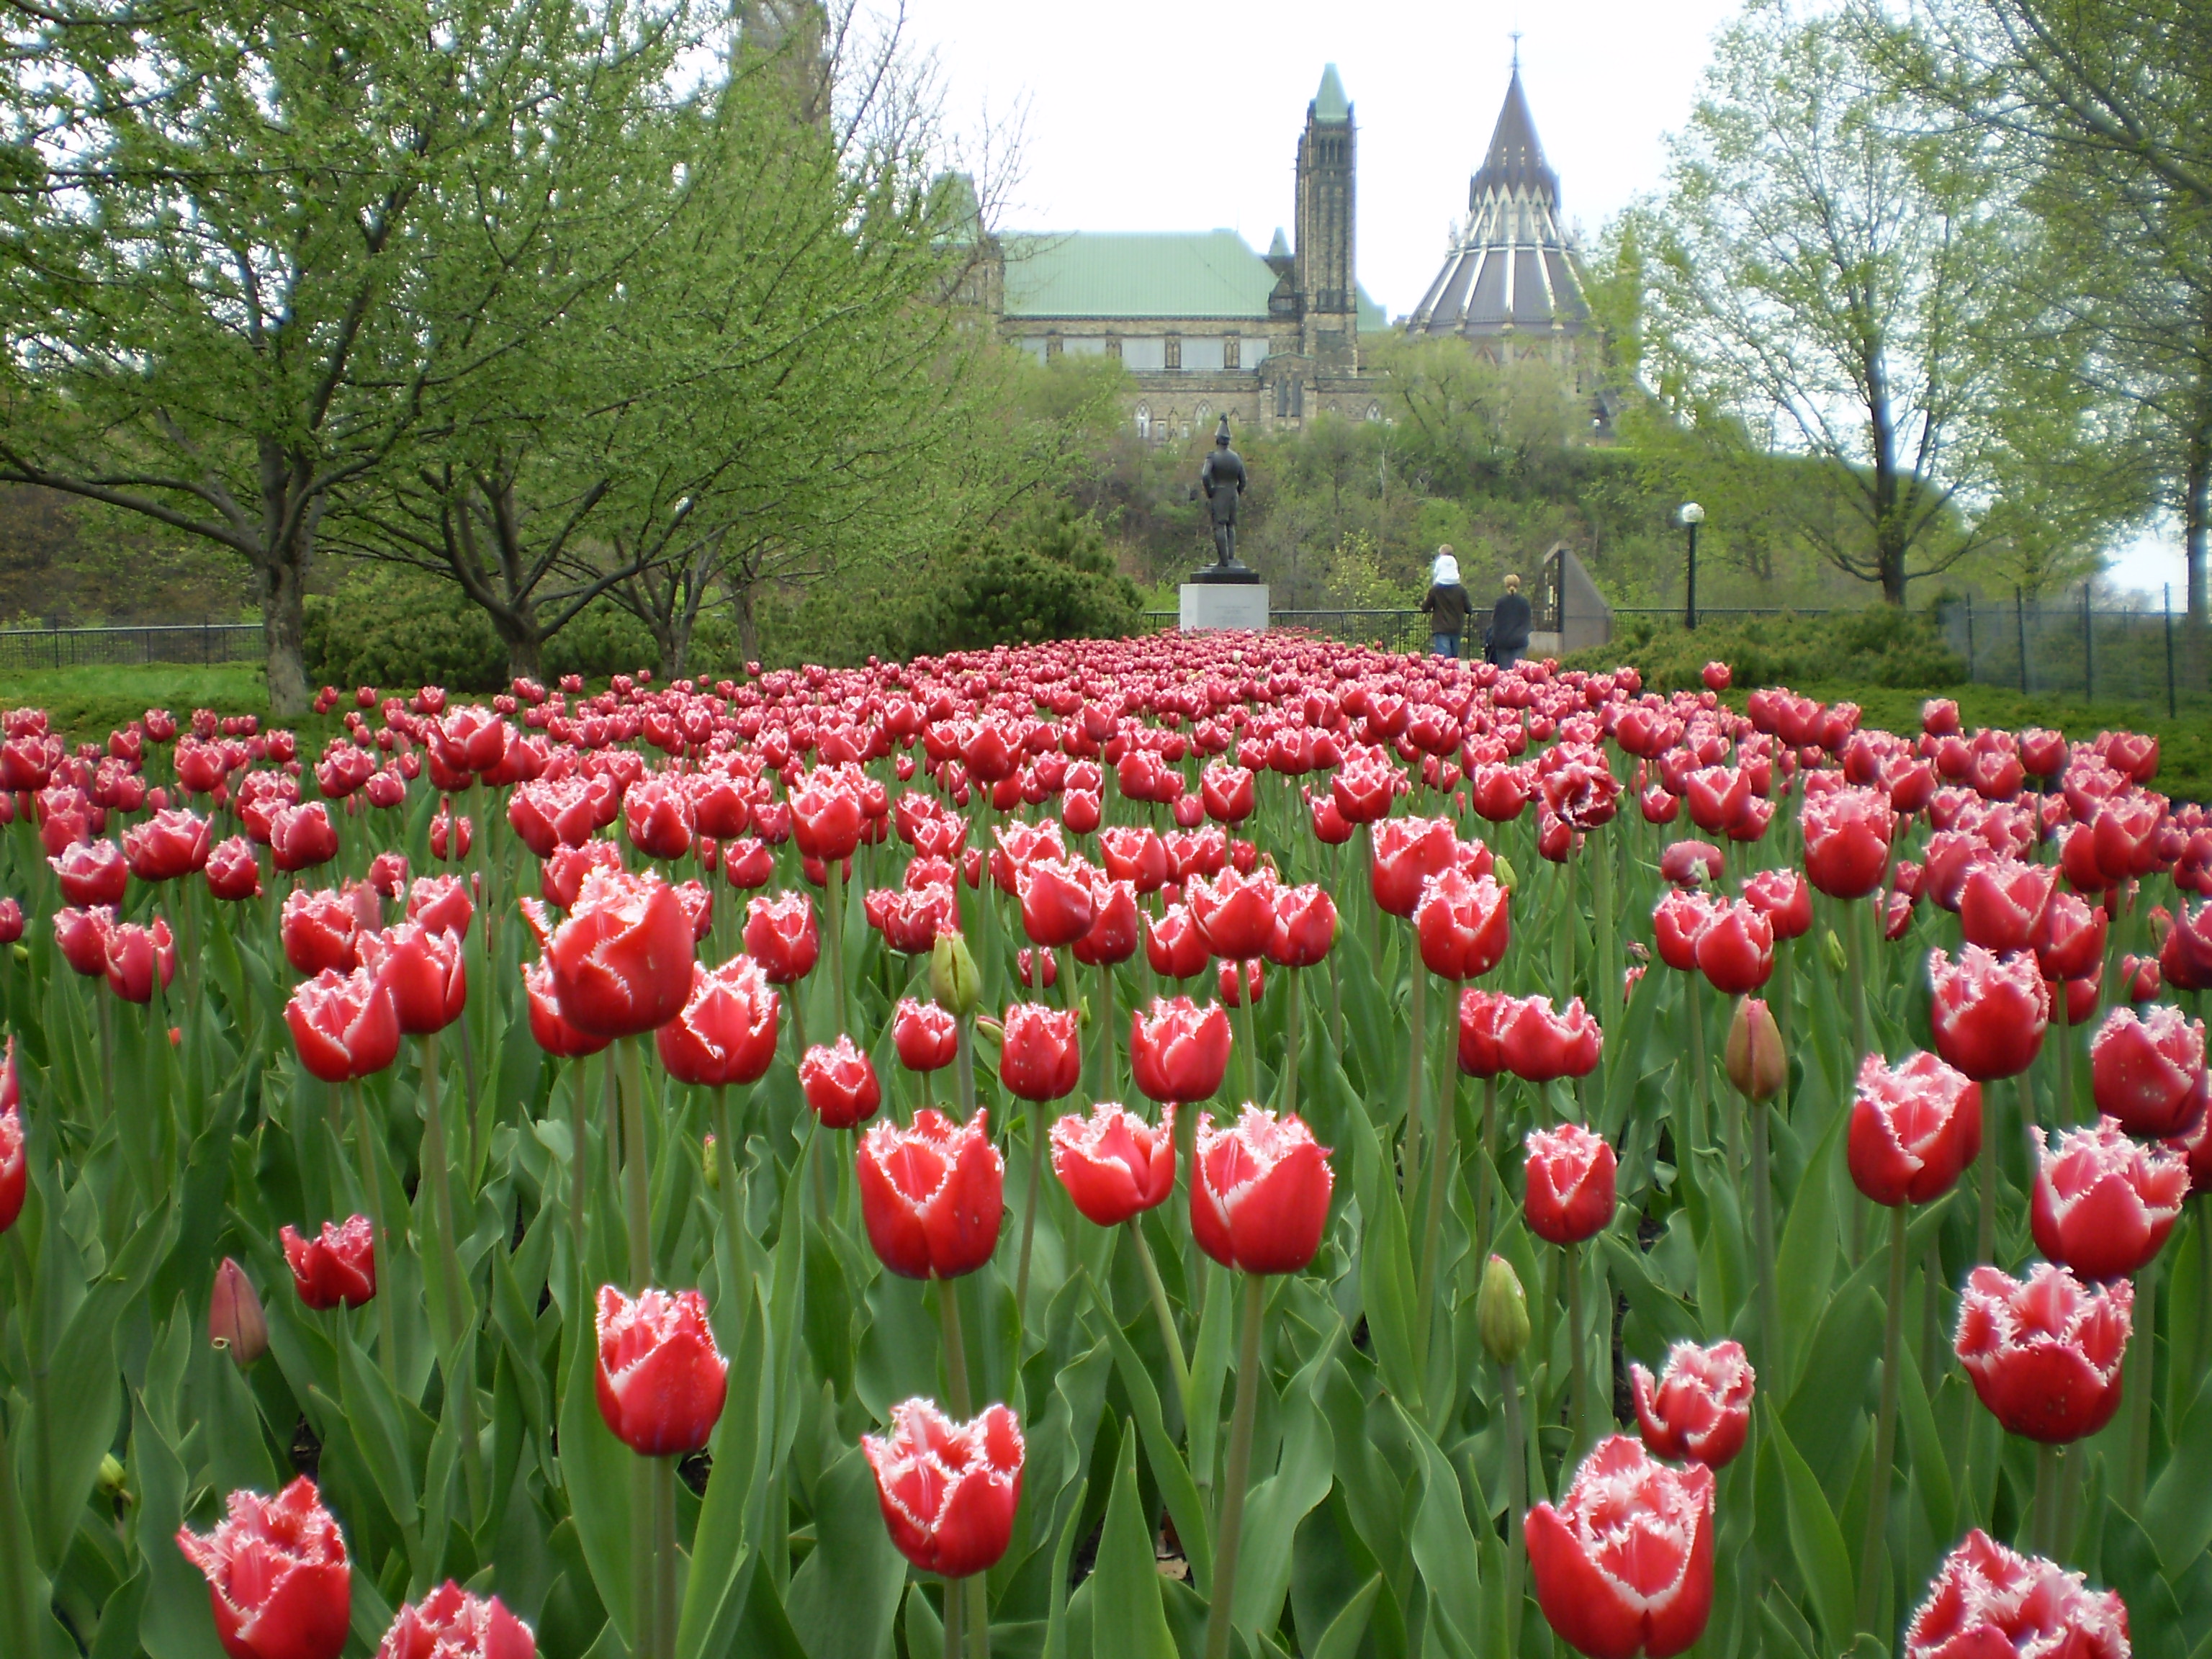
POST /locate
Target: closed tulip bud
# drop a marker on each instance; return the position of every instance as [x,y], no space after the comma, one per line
[659,1380]
[954,983]
[1613,1599]
[948,1490]
[1988,1600]
[1756,1064]
[337,1267]
[236,1324]
[1501,1309]
[1501,872]
[279,1581]
[710,1163]
[1832,948]
[112,1478]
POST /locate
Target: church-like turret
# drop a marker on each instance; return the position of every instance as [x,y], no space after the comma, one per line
[1325,278]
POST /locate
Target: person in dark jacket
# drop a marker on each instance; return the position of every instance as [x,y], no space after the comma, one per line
[1447,605]
[1507,637]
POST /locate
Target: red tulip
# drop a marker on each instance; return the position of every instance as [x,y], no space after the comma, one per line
[660,1379]
[1178,1052]
[1238,983]
[1989,1012]
[1624,1566]
[301,837]
[170,844]
[11,920]
[426,972]
[1234,914]
[319,929]
[1681,915]
[238,1325]
[2044,1354]
[1363,790]
[1735,951]
[1691,863]
[1914,1127]
[948,1490]
[747,863]
[1480,1015]
[825,816]
[1226,793]
[1113,1162]
[91,873]
[1057,901]
[932,1194]
[621,961]
[2002,904]
[1408,852]
[657,811]
[1847,837]
[926,1036]
[2103,1203]
[440,904]
[2069,940]
[345,1026]
[782,936]
[1112,937]
[2148,1071]
[1041,1058]
[1305,926]
[1463,925]
[839,1082]
[547,1028]
[1134,854]
[339,1267]
[279,1581]
[726,1032]
[1784,898]
[1717,796]
[452,1623]
[2186,956]
[15,1168]
[134,953]
[1538,1044]
[1173,945]
[1570,1175]
[562,876]
[1259,1192]
[1330,827]
[1700,1409]
[1990,1603]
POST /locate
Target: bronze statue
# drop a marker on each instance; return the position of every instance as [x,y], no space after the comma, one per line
[1222,479]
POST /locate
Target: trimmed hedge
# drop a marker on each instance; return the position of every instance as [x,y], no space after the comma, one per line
[1879,645]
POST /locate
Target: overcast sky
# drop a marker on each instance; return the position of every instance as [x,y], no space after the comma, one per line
[1153,115]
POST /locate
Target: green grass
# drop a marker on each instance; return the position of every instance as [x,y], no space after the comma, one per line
[86,703]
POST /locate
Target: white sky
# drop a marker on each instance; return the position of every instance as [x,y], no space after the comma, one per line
[1148,115]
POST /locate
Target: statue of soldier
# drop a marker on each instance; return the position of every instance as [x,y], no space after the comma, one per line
[1222,479]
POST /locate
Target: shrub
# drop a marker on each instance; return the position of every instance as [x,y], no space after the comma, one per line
[1876,645]
[1049,576]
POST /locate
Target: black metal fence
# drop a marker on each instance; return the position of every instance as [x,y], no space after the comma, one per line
[198,643]
[2070,648]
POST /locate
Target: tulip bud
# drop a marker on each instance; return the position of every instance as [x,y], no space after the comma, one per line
[1501,1311]
[236,1324]
[1837,960]
[1756,1064]
[111,1478]
[1501,870]
[711,1160]
[953,980]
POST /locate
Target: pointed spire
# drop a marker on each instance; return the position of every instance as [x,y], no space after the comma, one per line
[1329,103]
[1280,247]
[1515,158]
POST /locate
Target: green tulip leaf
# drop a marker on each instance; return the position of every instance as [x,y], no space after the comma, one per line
[1125,1604]
[845,1600]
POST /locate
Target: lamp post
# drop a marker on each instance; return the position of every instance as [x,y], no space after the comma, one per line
[1691,516]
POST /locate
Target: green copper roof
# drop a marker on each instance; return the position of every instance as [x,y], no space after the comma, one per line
[1330,104]
[1209,273]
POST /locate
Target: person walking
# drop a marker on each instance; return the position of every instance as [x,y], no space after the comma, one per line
[1446,604]
[1506,639]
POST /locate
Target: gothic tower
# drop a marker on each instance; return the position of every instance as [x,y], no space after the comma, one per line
[1325,274]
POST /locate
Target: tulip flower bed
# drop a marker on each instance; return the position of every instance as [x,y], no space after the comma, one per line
[1234,1146]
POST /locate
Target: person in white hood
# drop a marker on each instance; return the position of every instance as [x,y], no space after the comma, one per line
[1446,604]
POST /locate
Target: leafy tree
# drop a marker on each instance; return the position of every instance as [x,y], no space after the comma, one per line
[1045,575]
[253,245]
[1817,279]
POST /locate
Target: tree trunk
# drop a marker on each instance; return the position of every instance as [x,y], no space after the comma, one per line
[525,656]
[283,583]
[748,624]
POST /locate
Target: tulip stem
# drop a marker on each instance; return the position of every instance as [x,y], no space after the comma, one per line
[955,1348]
[1872,1561]
[2138,1388]
[1102,1081]
[1578,1407]
[1036,1126]
[2050,1471]
[1416,1058]
[664,1556]
[2063,1109]
[635,1180]
[101,1000]
[1985,1225]
[1440,1161]
[1762,1227]
[1250,1044]
[1485,1199]
[437,1166]
[956,1621]
[1230,1534]
[978,1587]
[1164,1312]
[1335,1007]
[1293,1017]
[964,1059]
[1517,1486]
[2201,1344]
[387,1316]
[579,1159]
[726,1173]
[834,876]
[1699,1103]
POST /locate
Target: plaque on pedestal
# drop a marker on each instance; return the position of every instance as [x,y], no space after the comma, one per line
[1218,603]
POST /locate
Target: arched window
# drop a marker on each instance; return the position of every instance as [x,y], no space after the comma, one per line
[1205,414]
[1144,422]
[1374,411]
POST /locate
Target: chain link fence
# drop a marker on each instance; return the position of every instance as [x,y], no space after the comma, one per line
[188,643]
[2071,648]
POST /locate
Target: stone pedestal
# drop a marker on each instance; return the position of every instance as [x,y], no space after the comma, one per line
[1224,604]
